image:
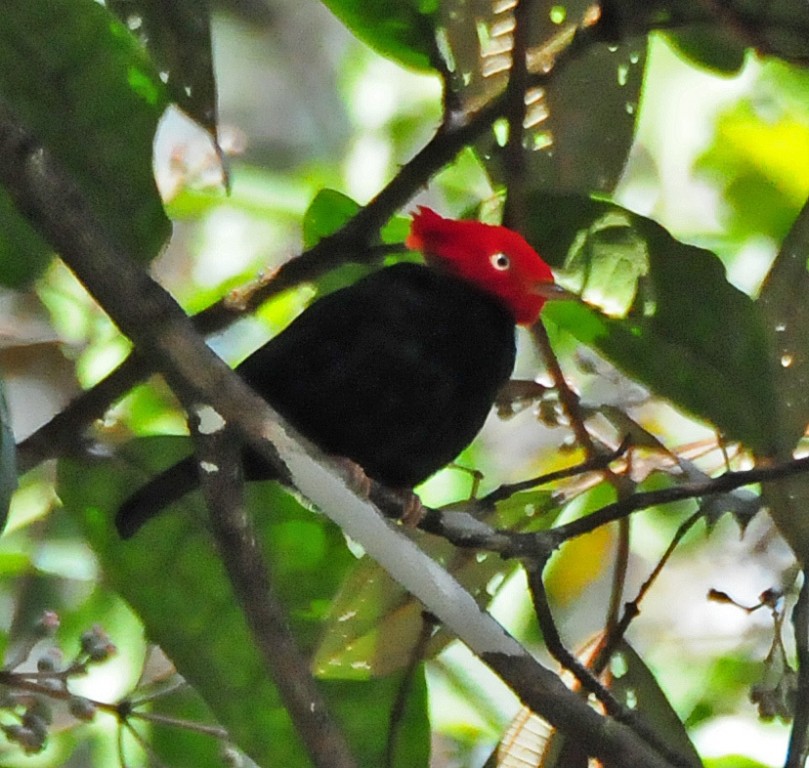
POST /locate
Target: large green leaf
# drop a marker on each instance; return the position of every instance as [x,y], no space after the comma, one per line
[173,578]
[784,307]
[80,81]
[689,335]
[402,30]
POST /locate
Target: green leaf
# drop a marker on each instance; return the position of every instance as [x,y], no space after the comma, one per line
[329,211]
[8,459]
[760,166]
[712,46]
[690,336]
[79,80]
[555,222]
[783,306]
[171,575]
[635,686]
[733,761]
[374,625]
[401,30]
[23,252]
[786,318]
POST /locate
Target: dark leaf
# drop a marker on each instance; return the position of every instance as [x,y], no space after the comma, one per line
[689,335]
[711,46]
[580,127]
[177,35]
[786,317]
[23,253]
[635,686]
[91,95]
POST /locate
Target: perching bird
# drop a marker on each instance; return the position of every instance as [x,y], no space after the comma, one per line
[397,371]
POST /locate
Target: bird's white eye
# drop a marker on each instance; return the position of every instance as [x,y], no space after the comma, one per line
[500,261]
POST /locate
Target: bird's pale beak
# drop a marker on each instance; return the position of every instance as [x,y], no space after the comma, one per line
[553,292]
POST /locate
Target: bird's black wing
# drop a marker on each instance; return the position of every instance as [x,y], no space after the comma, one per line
[397,372]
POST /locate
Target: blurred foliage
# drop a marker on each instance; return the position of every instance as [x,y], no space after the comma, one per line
[90,71]
[695,350]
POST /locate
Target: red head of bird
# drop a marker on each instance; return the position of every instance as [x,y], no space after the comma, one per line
[494,259]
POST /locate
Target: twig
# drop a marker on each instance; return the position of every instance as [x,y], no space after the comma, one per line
[587,679]
[622,485]
[799,735]
[599,462]
[729,481]
[632,608]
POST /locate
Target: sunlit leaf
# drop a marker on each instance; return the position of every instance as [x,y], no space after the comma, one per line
[374,625]
[762,168]
[733,761]
[329,211]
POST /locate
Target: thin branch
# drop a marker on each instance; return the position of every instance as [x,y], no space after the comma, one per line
[595,464]
[729,481]
[588,680]
[632,608]
[799,736]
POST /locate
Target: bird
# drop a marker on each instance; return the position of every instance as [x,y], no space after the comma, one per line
[398,371]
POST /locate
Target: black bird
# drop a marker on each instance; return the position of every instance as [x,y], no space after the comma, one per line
[397,371]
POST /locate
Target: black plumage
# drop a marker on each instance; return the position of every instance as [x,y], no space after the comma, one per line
[396,372]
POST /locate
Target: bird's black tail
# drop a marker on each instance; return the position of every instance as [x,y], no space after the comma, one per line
[159,492]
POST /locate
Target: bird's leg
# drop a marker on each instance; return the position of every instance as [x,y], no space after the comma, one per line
[412,508]
[355,476]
